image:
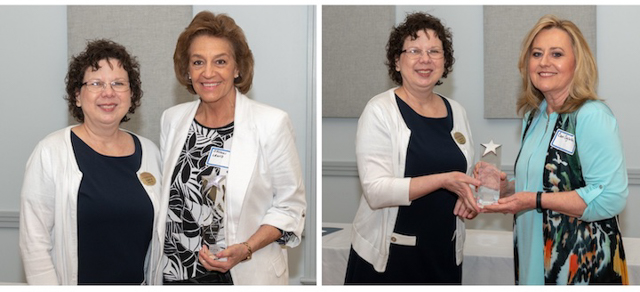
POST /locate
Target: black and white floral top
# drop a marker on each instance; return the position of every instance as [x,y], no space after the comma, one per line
[196,202]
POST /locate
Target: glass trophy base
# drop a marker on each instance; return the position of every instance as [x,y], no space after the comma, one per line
[214,249]
[487,196]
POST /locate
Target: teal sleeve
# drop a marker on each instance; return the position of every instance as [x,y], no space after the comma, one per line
[603,164]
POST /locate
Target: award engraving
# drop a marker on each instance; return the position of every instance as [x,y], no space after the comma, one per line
[488,172]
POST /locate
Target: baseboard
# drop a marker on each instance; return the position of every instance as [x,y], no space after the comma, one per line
[308,281]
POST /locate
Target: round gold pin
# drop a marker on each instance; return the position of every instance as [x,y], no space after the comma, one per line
[460,138]
[147,179]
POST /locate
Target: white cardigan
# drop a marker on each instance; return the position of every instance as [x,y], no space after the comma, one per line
[48,209]
[381,148]
[264,183]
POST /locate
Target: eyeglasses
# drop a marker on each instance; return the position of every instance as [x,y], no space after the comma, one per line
[417,53]
[99,86]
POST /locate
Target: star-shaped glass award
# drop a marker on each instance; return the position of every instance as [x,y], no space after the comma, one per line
[488,172]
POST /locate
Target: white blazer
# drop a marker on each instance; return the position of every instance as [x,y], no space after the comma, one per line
[382,139]
[48,210]
[264,183]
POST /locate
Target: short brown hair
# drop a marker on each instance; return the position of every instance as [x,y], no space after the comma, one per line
[585,78]
[221,26]
[96,51]
[412,24]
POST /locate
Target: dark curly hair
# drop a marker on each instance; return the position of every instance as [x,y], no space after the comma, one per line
[221,26]
[96,51]
[412,24]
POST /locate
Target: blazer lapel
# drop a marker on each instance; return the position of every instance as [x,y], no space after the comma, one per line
[244,153]
[179,137]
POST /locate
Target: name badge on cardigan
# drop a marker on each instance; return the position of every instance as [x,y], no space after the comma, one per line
[564,141]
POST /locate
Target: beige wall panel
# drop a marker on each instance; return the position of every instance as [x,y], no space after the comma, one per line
[353,56]
[504,29]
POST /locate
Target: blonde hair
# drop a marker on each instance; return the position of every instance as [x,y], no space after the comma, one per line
[585,78]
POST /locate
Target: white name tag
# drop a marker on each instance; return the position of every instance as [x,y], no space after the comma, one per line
[564,141]
[219,157]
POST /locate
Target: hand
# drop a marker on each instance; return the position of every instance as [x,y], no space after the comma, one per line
[233,255]
[458,183]
[513,204]
[504,185]
[461,211]
[476,170]
[481,165]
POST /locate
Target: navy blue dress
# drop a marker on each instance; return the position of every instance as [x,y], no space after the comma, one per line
[115,217]
[430,218]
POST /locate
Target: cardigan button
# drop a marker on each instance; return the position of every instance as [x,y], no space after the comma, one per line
[393,239]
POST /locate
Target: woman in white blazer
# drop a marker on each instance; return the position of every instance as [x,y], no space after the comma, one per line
[233,179]
[91,192]
[413,148]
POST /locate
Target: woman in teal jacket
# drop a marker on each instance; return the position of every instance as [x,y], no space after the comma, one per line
[570,175]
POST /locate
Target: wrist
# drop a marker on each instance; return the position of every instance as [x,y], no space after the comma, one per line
[539,202]
[249,250]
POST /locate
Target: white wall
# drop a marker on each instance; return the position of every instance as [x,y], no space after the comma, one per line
[618,61]
[34,64]
[33,70]
[34,46]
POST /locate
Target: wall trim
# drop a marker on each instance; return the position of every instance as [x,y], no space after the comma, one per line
[350,169]
[634,176]
[310,246]
[339,168]
[9,219]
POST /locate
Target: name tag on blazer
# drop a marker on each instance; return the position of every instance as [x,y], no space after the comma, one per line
[219,157]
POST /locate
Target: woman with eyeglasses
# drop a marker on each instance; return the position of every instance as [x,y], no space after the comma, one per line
[413,149]
[91,191]
[233,180]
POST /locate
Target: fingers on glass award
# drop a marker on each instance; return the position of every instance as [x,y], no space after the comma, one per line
[488,172]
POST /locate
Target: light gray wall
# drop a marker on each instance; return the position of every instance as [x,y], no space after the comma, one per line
[617,60]
[33,51]
[33,70]
[34,64]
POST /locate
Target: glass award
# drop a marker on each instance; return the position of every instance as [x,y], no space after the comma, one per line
[214,193]
[488,172]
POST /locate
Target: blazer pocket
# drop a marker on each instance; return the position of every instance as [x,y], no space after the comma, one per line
[279,265]
[400,239]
